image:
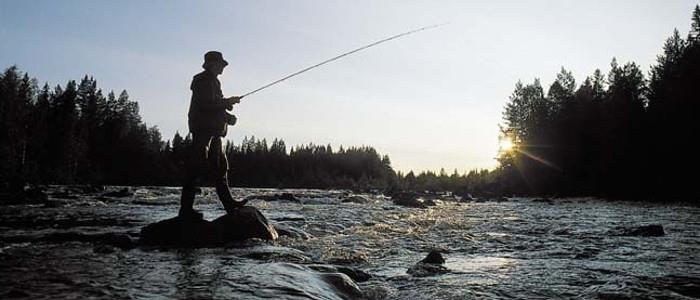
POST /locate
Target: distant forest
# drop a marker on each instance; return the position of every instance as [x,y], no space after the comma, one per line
[623,134]
[76,134]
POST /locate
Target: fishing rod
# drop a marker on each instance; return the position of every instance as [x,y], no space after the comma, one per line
[341,56]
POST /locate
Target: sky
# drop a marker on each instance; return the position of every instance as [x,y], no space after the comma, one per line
[430,100]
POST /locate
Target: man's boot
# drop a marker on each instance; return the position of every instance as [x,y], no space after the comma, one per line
[226,198]
[187,202]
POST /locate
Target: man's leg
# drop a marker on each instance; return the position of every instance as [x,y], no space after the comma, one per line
[194,168]
[220,171]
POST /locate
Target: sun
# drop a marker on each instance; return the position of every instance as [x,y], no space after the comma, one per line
[506,144]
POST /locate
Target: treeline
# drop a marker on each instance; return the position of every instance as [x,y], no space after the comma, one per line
[76,134]
[623,134]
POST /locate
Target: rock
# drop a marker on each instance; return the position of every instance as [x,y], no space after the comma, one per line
[121,241]
[244,223]
[407,199]
[434,257]
[294,281]
[288,197]
[429,202]
[645,230]
[429,266]
[356,199]
[276,197]
[354,273]
[292,232]
[125,192]
[180,232]
[425,270]
[272,253]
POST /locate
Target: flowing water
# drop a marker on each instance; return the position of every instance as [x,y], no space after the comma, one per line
[518,248]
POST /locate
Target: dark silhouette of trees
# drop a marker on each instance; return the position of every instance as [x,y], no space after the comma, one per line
[76,134]
[623,136]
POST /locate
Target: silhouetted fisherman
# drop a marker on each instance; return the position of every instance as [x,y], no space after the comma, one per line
[208,122]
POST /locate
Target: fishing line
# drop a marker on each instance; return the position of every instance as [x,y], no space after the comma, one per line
[341,56]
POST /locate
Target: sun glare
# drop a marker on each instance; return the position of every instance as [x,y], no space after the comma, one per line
[506,144]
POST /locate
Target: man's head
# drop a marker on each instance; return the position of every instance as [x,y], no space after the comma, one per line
[214,62]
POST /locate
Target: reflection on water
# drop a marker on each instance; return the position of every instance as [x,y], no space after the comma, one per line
[513,249]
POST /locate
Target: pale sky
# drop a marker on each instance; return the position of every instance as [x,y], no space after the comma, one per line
[429,100]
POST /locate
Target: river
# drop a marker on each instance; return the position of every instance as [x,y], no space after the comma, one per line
[515,249]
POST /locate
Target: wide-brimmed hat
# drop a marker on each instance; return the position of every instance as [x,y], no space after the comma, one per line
[214,57]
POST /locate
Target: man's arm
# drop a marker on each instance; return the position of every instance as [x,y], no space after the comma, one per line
[209,99]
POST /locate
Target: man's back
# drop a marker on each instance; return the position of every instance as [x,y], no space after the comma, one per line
[207,108]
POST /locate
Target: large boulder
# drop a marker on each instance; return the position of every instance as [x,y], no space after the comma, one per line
[180,232]
[244,223]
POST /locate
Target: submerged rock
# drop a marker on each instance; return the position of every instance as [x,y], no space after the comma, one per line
[645,230]
[244,223]
[429,266]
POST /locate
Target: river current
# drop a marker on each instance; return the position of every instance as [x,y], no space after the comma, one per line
[516,248]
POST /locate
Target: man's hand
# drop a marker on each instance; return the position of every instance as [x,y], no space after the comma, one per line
[233,100]
[230,101]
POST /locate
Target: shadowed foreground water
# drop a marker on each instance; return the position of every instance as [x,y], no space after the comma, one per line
[509,249]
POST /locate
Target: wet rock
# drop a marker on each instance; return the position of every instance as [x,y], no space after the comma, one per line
[293,281]
[644,231]
[124,192]
[468,198]
[354,273]
[288,197]
[180,232]
[343,285]
[434,257]
[408,199]
[244,223]
[276,197]
[121,241]
[292,232]
[502,199]
[266,252]
[356,199]
[429,266]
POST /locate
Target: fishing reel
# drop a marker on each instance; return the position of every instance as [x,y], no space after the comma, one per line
[230,119]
